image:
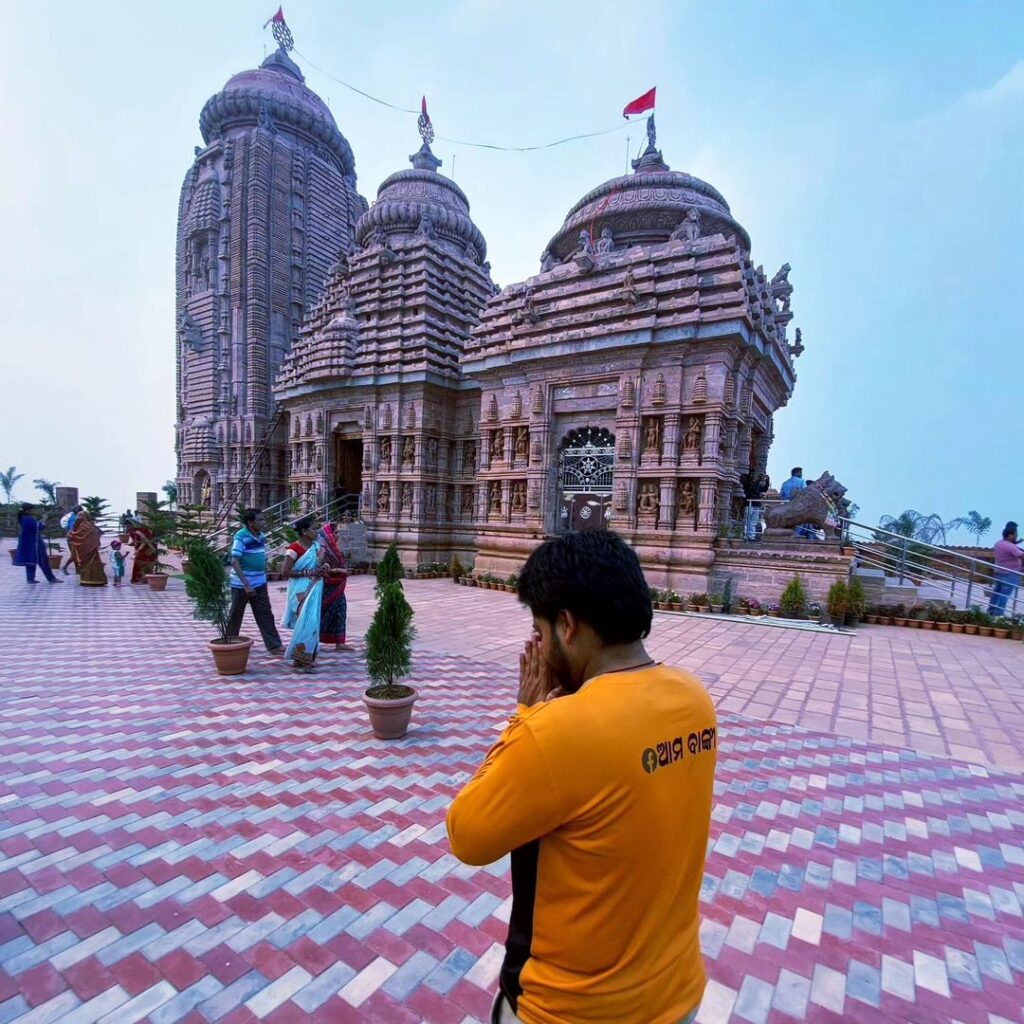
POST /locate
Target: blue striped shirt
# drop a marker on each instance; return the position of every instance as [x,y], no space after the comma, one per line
[251,551]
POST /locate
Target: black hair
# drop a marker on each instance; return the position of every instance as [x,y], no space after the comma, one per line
[596,576]
[795,470]
[249,515]
[303,524]
[1008,529]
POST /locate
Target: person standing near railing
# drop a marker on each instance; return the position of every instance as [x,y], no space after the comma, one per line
[1009,562]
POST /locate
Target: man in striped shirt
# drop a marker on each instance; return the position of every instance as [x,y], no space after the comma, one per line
[249,581]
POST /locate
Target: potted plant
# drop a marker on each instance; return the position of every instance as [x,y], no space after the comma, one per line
[856,602]
[717,602]
[899,615]
[693,603]
[1017,627]
[674,601]
[209,590]
[957,621]
[161,523]
[838,603]
[1001,628]
[793,601]
[389,654]
[940,617]
[187,528]
[816,612]
[772,609]
[510,584]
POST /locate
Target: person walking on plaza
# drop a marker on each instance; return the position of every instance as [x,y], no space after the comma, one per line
[31,550]
[84,542]
[116,562]
[600,787]
[1007,577]
[305,594]
[68,524]
[249,581]
[334,567]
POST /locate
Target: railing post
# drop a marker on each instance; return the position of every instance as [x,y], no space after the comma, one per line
[903,558]
[970,586]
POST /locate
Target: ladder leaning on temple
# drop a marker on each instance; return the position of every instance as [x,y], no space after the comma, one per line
[224,512]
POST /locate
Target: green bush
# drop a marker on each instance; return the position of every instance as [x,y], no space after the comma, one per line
[389,642]
[838,600]
[208,587]
[389,570]
[793,602]
[857,600]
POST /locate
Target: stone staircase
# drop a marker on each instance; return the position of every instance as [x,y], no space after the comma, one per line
[882,589]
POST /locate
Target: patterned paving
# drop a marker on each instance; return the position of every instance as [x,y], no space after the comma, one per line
[175,846]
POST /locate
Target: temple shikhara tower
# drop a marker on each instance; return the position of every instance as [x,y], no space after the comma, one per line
[631,383]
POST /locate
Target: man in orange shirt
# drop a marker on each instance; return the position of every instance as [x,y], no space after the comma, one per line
[600,787]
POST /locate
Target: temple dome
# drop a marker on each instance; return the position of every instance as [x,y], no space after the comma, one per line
[275,94]
[645,207]
[422,201]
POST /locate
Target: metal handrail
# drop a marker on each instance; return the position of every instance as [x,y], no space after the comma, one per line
[921,562]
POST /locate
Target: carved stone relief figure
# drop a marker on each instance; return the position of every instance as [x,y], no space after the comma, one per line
[469,456]
[648,498]
[497,444]
[384,497]
[629,293]
[407,499]
[494,501]
[686,503]
[432,452]
[781,289]
[652,434]
[689,227]
[467,500]
[409,451]
[691,440]
[430,500]
[519,496]
[385,451]
[606,243]
[522,443]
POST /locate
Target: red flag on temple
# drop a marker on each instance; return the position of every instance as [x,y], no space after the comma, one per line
[640,104]
[278,18]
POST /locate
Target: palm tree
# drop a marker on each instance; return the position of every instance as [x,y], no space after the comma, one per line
[7,482]
[974,523]
[916,526]
[49,488]
[171,490]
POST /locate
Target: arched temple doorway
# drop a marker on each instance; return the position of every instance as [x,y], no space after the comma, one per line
[586,466]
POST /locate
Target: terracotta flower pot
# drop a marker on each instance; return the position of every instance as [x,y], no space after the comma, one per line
[928,624]
[956,627]
[717,609]
[1000,634]
[986,631]
[691,607]
[943,627]
[186,566]
[231,656]
[389,719]
[56,561]
[899,622]
[969,629]
[156,580]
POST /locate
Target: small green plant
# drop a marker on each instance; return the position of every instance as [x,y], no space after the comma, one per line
[857,600]
[457,569]
[98,509]
[389,570]
[700,600]
[160,521]
[389,642]
[208,587]
[793,601]
[838,602]
[727,598]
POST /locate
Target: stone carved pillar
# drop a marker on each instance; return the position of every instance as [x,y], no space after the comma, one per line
[708,504]
[670,448]
[667,509]
[712,435]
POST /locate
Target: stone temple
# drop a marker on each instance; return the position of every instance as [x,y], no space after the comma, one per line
[631,383]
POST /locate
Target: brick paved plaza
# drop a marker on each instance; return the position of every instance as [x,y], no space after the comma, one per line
[176,846]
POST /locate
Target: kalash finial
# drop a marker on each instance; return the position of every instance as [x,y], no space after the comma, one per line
[651,158]
[282,33]
[424,159]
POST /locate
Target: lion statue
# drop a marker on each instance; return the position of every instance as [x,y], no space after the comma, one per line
[820,501]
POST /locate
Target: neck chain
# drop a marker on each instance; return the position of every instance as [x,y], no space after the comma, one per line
[628,668]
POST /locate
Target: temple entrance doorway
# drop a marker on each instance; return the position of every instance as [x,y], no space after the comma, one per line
[586,465]
[348,466]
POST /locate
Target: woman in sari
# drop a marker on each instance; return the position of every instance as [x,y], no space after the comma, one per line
[305,594]
[145,550]
[84,541]
[335,606]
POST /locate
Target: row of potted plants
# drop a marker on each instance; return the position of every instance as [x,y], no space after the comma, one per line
[488,581]
[947,619]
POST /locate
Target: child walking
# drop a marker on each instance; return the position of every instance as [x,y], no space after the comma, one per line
[116,562]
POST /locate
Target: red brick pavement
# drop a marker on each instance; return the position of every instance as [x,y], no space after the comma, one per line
[179,846]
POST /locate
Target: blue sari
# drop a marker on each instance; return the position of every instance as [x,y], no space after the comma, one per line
[305,597]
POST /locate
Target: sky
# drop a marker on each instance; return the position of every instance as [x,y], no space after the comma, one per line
[875,146]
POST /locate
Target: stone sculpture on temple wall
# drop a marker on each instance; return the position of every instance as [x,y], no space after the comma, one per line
[497,445]
[686,502]
[430,500]
[625,448]
[648,498]
[606,243]
[694,429]
[517,405]
[492,408]
[522,443]
[407,499]
[189,332]
[384,498]
[629,293]
[797,348]
[410,416]
[533,495]
[469,457]
[386,417]
[494,500]
[700,389]
[467,500]
[620,496]
[409,450]
[660,393]
[538,401]
[781,289]
[385,452]
[519,496]
[628,393]
[426,228]
[536,450]
[652,434]
[688,229]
